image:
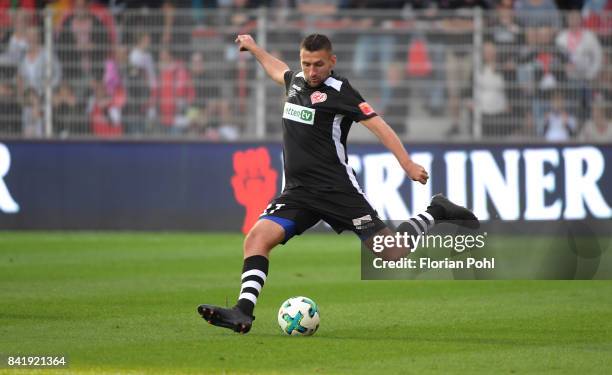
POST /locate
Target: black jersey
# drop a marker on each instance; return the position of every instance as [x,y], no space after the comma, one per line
[316,123]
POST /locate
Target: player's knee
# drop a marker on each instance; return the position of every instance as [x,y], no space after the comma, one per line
[258,242]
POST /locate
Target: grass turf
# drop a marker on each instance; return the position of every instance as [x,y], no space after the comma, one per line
[125,302]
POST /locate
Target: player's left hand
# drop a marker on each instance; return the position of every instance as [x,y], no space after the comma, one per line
[417,173]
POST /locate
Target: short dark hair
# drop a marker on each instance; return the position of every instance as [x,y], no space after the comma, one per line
[316,42]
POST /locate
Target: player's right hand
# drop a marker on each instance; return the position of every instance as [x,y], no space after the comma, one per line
[417,173]
[245,42]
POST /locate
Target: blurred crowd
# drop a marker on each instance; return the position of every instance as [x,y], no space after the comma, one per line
[158,67]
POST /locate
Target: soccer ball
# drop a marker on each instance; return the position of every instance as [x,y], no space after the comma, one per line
[299,316]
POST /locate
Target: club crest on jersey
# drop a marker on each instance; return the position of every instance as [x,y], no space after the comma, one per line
[366,109]
[318,97]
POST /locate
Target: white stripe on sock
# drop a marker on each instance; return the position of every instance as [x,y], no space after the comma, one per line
[256,273]
[251,284]
[423,224]
[250,296]
[429,217]
[416,227]
[427,222]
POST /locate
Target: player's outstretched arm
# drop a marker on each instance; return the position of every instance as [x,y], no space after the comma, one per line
[389,138]
[274,67]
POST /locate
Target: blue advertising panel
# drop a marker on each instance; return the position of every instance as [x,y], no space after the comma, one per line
[212,186]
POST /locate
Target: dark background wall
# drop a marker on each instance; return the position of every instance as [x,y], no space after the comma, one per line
[188,186]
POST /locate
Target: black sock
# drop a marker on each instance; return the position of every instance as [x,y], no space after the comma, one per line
[254,273]
[418,225]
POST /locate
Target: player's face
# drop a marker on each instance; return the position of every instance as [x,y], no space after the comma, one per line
[316,65]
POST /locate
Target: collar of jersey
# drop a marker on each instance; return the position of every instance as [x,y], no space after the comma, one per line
[301,75]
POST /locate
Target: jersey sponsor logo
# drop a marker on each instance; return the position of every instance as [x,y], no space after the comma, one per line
[298,113]
[366,109]
[318,97]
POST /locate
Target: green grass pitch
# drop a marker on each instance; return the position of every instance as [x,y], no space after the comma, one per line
[125,302]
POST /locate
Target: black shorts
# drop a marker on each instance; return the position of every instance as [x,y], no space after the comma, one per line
[298,209]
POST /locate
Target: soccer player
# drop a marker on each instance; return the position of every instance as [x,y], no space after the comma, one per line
[319,184]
